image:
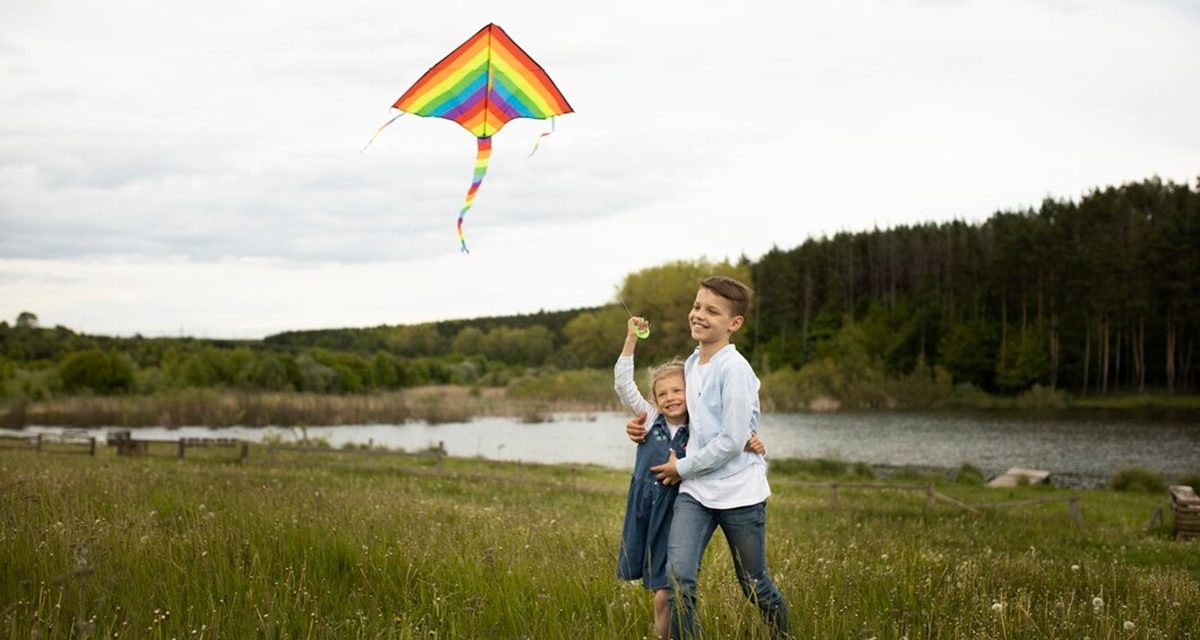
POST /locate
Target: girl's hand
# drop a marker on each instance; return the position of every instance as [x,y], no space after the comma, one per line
[634,325]
[756,445]
[636,428]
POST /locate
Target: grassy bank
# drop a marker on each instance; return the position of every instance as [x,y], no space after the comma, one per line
[334,545]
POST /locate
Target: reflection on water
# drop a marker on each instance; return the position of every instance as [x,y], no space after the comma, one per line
[1079,451]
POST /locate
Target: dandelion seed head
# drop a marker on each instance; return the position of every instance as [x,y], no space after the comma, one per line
[1129,625]
[1075,567]
[997,607]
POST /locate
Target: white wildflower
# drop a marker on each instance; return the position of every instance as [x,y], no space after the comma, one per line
[1129,625]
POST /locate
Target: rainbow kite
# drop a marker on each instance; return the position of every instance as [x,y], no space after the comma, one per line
[485,82]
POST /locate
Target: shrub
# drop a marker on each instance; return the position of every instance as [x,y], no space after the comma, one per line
[1191,480]
[149,380]
[587,385]
[1138,480]
[1040,397]
[924,386]
[823,468]
[97,371]
[914,474]
[782,390]
[6,374]
[969,474]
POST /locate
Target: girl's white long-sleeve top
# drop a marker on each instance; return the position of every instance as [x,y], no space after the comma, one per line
[628,392]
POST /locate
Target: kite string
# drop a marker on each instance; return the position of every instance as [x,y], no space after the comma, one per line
[538,141]
[377,132]
[484,151]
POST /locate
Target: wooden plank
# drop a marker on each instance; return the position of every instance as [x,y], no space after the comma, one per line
[210,442]
[1183,495]
[1017,476]
[958,503]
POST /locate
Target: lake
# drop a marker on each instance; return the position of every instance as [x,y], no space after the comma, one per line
[1080,450]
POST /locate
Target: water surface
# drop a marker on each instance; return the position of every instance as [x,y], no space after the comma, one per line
[1080,450]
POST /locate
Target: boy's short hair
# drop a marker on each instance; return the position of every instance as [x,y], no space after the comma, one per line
[736,292]
[672,367]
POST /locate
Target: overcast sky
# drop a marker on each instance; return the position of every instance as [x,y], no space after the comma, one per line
[194,168]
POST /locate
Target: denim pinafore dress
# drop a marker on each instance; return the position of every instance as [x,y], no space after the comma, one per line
[648,509]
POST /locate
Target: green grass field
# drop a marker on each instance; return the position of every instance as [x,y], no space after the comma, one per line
[335,545]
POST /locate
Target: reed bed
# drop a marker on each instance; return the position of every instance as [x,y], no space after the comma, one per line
[222,408]
[296,545]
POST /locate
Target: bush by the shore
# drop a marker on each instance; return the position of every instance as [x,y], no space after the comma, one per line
[1138,480]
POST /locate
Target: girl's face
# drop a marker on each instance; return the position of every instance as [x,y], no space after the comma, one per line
[670,398]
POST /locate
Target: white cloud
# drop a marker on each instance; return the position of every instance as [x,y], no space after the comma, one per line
[220,141]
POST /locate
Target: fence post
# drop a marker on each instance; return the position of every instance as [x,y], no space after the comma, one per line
[93,447]
[181,445]
[39,443]
[833,494]
[1156,519]
[245,451]
[441,453]
[929,495]
[1076,512]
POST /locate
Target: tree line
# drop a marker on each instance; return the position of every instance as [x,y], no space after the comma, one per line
[1092,297]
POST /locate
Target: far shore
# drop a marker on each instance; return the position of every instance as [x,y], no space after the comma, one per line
[455,403]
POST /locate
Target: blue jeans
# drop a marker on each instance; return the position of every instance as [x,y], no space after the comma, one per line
[745,528]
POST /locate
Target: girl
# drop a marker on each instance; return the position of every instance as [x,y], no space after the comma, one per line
[650,503]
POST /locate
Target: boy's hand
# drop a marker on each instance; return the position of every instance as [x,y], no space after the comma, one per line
[666,472]
[635,325]
[756,445]
[636,428]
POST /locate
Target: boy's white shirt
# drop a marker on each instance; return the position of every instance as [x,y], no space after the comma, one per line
[723,411]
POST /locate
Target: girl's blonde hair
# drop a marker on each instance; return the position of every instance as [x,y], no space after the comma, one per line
[672,367]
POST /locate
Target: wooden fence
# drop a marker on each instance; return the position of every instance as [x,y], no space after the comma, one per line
[78,442]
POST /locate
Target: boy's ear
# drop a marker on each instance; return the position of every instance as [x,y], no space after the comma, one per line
[737,323]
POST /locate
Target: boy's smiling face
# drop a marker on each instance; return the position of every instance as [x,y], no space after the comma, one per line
[670,398]
[711,318]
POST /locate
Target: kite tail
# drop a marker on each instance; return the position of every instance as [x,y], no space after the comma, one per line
[377,132]
[538,142]
[481,163]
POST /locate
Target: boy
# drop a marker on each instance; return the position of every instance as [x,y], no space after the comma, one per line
[721,485]
[650,503]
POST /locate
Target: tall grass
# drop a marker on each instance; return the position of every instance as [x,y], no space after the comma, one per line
[219,408]
[536,395]
[340,546]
